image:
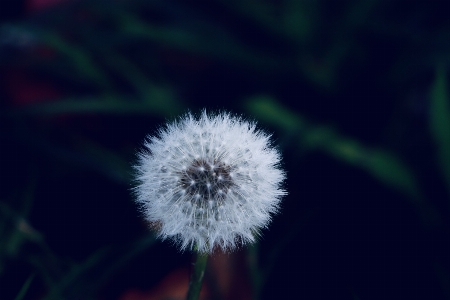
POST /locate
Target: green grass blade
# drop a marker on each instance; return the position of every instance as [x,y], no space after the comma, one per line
[383,165]
[81,60]
[24,288]
[440,122]
[160,104]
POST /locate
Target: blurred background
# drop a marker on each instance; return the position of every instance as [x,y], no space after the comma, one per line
[355,94]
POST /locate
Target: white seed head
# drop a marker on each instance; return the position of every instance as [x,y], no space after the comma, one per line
[212,181]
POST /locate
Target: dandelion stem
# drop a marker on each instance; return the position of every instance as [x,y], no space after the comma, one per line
[197,277]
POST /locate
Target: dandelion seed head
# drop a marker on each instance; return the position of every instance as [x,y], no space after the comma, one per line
[211,181]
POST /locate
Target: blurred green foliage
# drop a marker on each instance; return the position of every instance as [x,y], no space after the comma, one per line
[381,164]
[440,122]
[24,288]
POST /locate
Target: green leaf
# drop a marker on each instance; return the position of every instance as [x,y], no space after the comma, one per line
[384,166]
[202,39]
[268,110]
[390,170]
[81,59]
[440,122]
[160,104]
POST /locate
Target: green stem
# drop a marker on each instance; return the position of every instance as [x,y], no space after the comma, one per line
[197,277]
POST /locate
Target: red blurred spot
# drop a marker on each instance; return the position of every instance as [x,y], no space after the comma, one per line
[35,5]
[173,286]
[24,90]
[231,275]
[43,51]
[226,278]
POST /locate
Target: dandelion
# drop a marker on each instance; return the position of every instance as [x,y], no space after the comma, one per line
[207,182]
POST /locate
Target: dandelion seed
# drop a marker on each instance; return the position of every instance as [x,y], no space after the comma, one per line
[220,192]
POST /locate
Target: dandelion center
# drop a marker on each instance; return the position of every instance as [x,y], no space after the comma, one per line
[206,181]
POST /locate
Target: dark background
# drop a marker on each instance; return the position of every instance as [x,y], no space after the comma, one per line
[354,93]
